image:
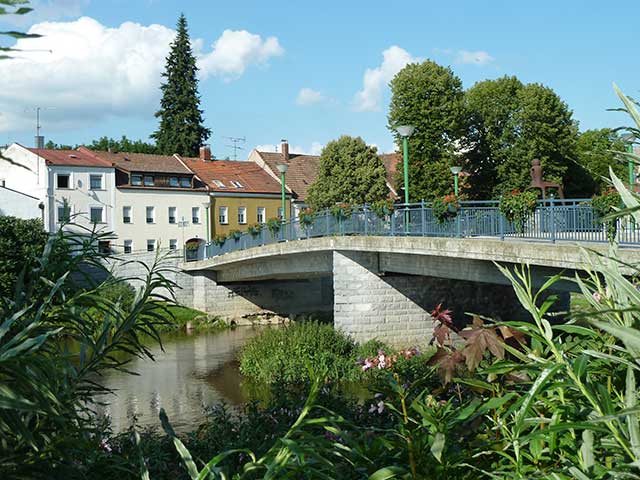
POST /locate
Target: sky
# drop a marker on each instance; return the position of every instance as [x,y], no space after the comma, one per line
[305,71]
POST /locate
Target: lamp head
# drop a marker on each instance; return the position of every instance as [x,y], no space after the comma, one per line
[282,167]
[455,169]
[405,130]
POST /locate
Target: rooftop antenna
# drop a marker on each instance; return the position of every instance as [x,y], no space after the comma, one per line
[236,141]
[39,140]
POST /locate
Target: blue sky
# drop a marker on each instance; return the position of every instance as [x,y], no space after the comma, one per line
[102,76]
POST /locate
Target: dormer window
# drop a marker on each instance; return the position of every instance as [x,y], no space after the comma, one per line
[173,182]
[219,183]
[136,180]
[185,182]
[236,184]
[148,181]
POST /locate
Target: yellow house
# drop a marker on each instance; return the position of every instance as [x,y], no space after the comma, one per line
[241,193]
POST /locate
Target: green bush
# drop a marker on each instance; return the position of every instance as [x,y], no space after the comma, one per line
[287,354]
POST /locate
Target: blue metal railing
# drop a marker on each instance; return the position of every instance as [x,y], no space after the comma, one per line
[553,220]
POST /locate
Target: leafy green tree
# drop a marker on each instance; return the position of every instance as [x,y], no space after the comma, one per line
[429,97]
[51,145]
[350,171]
[181,127]
[123,145]
[595,150]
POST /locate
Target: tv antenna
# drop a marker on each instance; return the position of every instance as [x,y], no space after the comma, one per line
[39,140]
[236,141]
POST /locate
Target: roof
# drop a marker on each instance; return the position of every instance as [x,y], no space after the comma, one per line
[142,162]
[302,172]
[70,158]
[304,169]
[249,175]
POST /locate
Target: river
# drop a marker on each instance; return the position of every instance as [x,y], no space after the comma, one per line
[196,370]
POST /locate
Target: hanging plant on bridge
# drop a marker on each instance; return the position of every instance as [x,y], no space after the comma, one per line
[382,208]
[445,208]
[234,234]
[518,206]
[254,230]
[192,246]
[274,224]
[606,204]
[341,211]
[306,217]
[219,240]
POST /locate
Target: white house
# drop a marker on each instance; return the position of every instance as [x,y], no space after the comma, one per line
[160,203]
[67,182]
[21,205]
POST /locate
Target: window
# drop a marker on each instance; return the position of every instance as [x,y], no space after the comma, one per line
[185,182]
[95,182]
[219,184]
[280,213]
[136,180]
[223,215]
[104,246]
[242,215]
[172,214]
[95,214]
[195,215]
[261,214]
[151,245]
[151,215]
[173,181]
[148,181]
[236,184]
[63,180]
[64,213]
[128,246]
[126,214]
[173,244]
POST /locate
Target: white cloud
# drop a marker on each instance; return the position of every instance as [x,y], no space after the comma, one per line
[46,10]
[94,72]
[234,51]
[309,96]
[314,149]
[394,59]
[479,57]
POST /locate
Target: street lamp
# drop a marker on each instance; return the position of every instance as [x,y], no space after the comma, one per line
[629,138]
[405,131]
[282,168]
[206,209]
[456,171]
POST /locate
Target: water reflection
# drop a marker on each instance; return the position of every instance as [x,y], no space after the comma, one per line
[194,371]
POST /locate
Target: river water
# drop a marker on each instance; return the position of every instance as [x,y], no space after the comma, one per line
[195,371]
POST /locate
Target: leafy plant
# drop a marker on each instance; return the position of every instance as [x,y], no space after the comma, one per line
[219,240]
[518,206]
[234,235]
[273,225]
[383,208]
[254,230]
[306,217]
[341,211]
[445,208]
[603,206]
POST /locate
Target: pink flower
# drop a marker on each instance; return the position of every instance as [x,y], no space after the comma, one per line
[367,365]
[597,297]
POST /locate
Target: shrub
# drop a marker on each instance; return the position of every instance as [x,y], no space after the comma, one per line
[254,230]
[382,208]
[445,208]
[219,240]
[286,354]
[518,206]
[274,224]
[341,211]
[604,205]
[234,235]
[306,217]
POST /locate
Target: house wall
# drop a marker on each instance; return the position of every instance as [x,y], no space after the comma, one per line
[81,197]
[16,204]
[139,231]
[270,203]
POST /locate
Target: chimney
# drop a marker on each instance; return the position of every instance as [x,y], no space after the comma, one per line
[205,153]
[285,149]
[39,141]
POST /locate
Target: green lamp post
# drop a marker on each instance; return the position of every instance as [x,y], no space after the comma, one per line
[405,131]
[206,209]
[629,138]
[282,168]
[456,172]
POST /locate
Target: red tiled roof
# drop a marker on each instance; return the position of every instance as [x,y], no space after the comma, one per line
[304,169]
[252,178]
[142,162]
[70,158]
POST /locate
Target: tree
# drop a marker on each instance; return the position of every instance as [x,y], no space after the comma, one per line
[510,125]
[429,97]
[51,145]
[123,145]
[595,152]
[351,172]
[181,128]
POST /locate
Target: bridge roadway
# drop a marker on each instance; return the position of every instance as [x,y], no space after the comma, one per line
[383,287]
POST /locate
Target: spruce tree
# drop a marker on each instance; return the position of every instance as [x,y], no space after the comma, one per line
[181,127]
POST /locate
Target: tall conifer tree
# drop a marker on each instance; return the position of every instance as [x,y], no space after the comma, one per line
[181,127]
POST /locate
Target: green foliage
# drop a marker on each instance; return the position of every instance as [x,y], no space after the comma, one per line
[597,152]
[518,206]
[306,217]
[123,145]
[181,129]
[254,230]
[350,171]
[604,205]
[341,211]
[21,244]
[273,225]
[288,354]
[429,97]
[445,208]
[382,208]
[512,124]
[219,240]
[234,235]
